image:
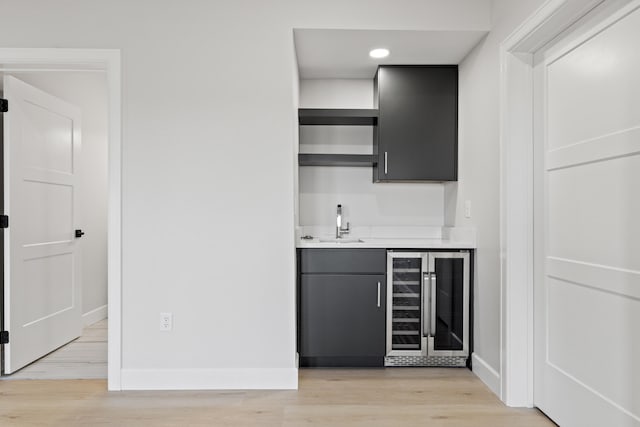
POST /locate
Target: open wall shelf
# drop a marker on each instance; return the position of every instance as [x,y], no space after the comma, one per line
[337,116]
[335,159]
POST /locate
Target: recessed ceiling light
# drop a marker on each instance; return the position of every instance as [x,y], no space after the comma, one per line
[379,53]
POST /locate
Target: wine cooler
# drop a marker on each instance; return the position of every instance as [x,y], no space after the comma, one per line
[427,308]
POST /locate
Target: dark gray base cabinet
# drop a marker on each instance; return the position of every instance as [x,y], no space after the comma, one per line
[343,320]
[342,306]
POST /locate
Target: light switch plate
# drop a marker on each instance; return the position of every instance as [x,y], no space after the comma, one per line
[467,208]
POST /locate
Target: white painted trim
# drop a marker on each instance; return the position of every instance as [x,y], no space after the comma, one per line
[618,10]
[546,23]
[95,315]
[114,226]
[516,189]
[50,70]
[109,61]
[489,376]
[209,379]
[516,292]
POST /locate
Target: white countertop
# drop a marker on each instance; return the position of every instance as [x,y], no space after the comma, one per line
[390,238]
[389,243]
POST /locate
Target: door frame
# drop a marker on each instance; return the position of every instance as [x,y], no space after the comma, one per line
[517,231]
[107,61]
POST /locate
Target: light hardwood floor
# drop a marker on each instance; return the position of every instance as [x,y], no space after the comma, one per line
[326,397]
[83,358]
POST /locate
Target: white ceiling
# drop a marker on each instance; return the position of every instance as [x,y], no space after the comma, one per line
[324,54]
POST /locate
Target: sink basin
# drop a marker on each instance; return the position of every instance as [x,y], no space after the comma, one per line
[343,240]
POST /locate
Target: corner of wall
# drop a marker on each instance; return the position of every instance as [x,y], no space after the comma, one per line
[295,82]
[95,315]
[450,203]
[489,376]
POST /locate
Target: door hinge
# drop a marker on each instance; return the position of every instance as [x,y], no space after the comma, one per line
[4,337]
[4,105]
[4,221]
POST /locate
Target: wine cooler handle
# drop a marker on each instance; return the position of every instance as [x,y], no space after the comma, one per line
[385,162]
[378,294]
[425,305]
[432,284]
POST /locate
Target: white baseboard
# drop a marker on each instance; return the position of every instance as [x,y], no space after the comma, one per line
[95,315]
[486,373]
[209,379]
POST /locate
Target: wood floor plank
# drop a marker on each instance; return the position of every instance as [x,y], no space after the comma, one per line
[326,397]
[83,358]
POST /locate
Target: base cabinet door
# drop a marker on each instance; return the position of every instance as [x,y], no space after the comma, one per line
[342,320]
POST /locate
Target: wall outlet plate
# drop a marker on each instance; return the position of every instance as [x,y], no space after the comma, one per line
[166,321]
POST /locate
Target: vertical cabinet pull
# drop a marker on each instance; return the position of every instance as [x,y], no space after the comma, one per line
[378,294]
[432,323]
[426,311]
[385,162]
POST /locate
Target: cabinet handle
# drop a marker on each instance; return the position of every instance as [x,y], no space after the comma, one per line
[432,324]
[426,308]
[386,155]
[378,294]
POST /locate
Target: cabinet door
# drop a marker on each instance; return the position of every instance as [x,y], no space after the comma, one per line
[360,261]
[449,308]
[417,134]
[406,323]
[342,320]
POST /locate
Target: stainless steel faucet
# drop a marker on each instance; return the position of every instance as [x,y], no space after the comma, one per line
[339,230]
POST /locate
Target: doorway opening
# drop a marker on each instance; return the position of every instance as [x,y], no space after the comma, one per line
[91,78]
[86,356]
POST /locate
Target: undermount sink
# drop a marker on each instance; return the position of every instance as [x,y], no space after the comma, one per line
[342,240]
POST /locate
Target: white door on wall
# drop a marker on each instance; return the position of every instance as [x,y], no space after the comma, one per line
[587,291]
[42,306]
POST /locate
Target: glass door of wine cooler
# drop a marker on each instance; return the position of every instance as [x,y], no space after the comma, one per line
[405,302]
[427,308]
[448,285]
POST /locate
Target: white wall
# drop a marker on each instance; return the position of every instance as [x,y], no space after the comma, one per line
[88,91]
[364,203]
[208,171]
[296,136]
[479,177]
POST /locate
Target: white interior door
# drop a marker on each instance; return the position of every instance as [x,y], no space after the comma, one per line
[42,306]
[587,291]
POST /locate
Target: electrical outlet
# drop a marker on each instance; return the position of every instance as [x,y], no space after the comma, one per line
[166,321]
[467,208]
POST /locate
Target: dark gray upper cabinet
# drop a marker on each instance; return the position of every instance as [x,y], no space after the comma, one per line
[416,138]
